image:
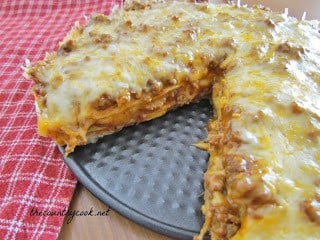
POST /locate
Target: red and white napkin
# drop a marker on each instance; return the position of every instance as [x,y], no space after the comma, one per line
[32,172]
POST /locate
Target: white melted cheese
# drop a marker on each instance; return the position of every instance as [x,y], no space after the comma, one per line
[279,114]
[122,62]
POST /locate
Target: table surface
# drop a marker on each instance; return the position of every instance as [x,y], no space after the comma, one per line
[113,226]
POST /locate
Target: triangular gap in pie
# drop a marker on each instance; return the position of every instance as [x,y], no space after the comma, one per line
[262,68]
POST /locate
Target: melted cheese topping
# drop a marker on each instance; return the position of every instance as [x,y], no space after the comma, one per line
[263,176]
[275,127]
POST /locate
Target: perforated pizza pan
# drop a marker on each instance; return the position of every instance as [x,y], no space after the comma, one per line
[151,173]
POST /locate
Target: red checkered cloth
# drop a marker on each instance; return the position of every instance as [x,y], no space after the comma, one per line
[32,172]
